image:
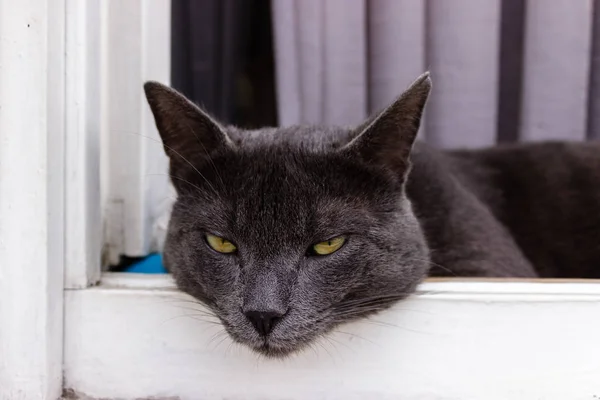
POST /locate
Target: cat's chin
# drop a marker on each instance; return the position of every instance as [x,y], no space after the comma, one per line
[276,352]
[275,348]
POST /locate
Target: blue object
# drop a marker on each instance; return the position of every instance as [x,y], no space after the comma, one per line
[149,265]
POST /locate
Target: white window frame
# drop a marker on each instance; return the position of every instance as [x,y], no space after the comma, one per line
[129,336]
[31,198]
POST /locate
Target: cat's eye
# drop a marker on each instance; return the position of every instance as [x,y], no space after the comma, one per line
[220,245]
[328,246]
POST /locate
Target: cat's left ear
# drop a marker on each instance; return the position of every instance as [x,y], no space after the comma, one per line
[386,139]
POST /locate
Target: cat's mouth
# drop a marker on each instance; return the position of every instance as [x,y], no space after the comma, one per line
[279,344]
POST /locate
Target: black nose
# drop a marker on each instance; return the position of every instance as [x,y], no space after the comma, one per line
[263,321]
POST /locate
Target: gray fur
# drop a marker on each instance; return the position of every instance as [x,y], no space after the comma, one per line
[274,192]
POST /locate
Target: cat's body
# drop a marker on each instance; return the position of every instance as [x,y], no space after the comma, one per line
[511,211]
[287,232]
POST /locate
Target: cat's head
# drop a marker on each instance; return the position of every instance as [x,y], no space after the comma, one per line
[287,232]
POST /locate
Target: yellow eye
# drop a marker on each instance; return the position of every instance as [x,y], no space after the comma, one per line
[329,246]
[220,244]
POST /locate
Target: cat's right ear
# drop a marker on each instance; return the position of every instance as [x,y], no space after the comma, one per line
[189,135]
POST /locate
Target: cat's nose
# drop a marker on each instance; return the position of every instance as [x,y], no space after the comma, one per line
[263,321]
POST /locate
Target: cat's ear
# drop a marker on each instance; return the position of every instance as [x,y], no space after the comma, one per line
[189,135]
[386,139]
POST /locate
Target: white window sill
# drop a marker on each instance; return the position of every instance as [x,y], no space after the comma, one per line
[132,336]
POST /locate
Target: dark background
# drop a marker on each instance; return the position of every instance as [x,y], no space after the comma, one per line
[222,58]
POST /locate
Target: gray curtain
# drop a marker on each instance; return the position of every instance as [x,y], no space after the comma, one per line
[502,70]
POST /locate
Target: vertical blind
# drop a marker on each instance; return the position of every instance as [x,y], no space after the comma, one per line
[502,70]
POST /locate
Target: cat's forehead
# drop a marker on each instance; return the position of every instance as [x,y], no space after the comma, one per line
[292,211]
[299,136]
[287,180]
[280,188]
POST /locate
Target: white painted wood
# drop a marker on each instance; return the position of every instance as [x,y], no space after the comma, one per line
[83,127]
[32,110]
[454,340]
[556,69]
[138,49]
[463,41]
[105,165]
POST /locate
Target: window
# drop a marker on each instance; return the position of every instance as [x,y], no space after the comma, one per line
[105,193]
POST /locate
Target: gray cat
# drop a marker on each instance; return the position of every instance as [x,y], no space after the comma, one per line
[287,232]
